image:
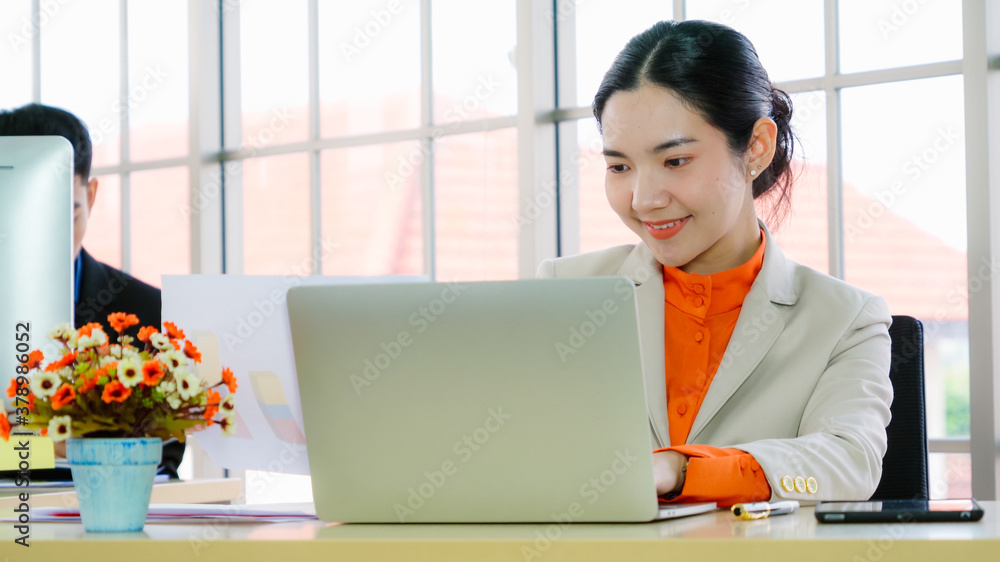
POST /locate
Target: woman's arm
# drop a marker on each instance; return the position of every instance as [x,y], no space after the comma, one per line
[841,436]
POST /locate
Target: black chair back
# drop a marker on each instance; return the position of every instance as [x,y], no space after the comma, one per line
[904,467]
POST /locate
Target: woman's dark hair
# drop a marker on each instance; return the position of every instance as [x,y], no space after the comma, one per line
[715,70]
[35,119]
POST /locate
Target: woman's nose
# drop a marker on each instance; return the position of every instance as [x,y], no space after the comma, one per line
[649,193]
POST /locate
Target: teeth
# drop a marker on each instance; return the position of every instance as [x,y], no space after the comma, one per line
[665,226]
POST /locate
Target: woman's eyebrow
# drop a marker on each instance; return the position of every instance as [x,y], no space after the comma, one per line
[672,144]
[667,145]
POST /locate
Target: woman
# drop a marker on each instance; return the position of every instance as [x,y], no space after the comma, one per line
[764,379]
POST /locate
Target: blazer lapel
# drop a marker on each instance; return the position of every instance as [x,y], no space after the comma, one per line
[760,323]
[647,274]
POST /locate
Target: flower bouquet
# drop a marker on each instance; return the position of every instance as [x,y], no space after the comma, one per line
[115,393]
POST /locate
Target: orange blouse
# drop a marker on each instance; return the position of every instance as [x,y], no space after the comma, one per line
[700,313]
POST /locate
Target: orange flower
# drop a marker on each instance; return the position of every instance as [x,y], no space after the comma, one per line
[213,398]
[12,389]
[88,383]
[45,431]
[4,427]
[63,396]
[152,372]
[172,331]
[209,414]
[229,379]
[115,391]
[34,359]
[88,329]
[145,332]
[31,401]
[191,351]
[120,321]
[66,360]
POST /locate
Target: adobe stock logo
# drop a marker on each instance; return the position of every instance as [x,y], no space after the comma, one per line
[464,448]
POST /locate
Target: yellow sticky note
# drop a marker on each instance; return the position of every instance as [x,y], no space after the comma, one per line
[37,449]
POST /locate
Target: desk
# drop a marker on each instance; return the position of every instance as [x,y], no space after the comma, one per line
[710,537]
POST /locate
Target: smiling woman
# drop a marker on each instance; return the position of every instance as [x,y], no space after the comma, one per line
[693,132]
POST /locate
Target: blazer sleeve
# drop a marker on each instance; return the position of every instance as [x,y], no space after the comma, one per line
[841,438]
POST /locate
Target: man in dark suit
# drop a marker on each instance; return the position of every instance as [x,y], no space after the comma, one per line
[99,288]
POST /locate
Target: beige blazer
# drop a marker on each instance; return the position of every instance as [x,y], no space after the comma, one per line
[804,383]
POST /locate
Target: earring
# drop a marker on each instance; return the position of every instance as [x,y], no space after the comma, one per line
[753,172]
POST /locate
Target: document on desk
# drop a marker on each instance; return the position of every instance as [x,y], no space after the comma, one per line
[193,513]
[241,321]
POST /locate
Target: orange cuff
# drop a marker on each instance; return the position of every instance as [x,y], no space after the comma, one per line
[724,476]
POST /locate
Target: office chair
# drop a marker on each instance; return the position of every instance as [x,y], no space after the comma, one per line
[904,466]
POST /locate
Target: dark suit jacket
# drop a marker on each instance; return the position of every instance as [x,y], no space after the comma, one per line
[103,290]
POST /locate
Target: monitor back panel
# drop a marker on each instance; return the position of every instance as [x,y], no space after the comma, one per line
[36,243]
[474,402]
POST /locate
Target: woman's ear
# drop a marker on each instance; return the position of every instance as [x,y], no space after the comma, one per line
[762,144]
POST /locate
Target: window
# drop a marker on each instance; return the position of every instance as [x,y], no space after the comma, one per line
[390,137]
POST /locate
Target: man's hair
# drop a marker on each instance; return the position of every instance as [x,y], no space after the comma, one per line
[34,119]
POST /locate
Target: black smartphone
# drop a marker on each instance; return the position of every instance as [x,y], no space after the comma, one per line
[898,511]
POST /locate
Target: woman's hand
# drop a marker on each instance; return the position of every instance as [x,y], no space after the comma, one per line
[60,449]
[668,471]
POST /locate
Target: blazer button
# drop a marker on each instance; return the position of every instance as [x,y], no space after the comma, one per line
[800,484]
[787,484]
[811,485]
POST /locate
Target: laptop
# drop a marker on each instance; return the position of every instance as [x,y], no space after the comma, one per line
[506,401]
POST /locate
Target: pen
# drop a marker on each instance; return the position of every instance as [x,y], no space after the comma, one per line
[761,510]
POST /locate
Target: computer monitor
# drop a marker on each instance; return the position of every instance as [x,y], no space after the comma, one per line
[36,244]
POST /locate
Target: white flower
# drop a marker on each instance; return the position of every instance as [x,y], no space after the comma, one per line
[105,360]
[174,401]
[228,405]
[59,428]
[167,387]
[173,359]
[131,353]
[160,341]
[71,341]
[115,349]
[61,331]
[96,338]
[45,384]
[129,372]
[228,424]
[188,385]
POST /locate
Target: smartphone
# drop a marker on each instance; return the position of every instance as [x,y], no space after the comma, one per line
[900,511]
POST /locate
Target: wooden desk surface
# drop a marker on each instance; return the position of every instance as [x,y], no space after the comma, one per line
[703,538]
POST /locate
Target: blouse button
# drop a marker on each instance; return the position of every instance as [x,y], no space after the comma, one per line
[698,301]
[698,288]
[682,409]
[698,336]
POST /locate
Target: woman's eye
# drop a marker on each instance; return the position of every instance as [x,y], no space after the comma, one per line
[676,162]
[617,168]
